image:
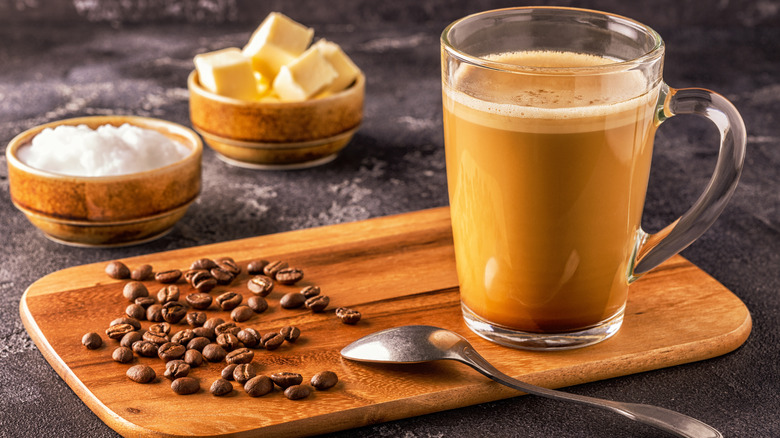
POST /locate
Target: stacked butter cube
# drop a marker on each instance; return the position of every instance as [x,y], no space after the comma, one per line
[279,64]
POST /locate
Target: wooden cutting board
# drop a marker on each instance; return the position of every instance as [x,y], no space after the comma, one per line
[395,270]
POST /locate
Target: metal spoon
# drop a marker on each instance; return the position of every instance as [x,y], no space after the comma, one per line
[422,343]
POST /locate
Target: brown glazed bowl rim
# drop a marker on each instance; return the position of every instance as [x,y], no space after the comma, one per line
[97,224]
[193,143]
[194,85]
[279,146]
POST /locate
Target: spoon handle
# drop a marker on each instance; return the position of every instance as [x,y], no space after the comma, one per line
[673,422]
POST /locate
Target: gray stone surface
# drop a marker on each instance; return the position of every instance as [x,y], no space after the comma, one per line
[67,59]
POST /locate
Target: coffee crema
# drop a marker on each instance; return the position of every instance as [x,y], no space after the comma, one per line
[547,176]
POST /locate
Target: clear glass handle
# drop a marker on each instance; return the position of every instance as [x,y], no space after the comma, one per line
[654,249]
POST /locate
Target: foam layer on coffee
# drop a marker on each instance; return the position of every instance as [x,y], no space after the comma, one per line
[538,101]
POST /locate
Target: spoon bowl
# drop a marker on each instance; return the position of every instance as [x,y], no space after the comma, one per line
[422,343]
[407,344]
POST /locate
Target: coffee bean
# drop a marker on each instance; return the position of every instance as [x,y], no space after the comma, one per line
[260,285]
[161,328]
[221,387]
[348,316]
[122,355]
[193,358]
[243,372]
[168,277]
[178,362]
[203,263]
[256,266]
[117,331]
[227,327]
[154,313]
[222,276]
[175,369]
[258,386]
[292,300]
[141,273]
[271,341]
[310,291]
[229,265]
[205,332]
[199,300]
[117,270]
[289,275]
[240,355]
[213,322]
[127,320]
[273,267]
[170,351]
[130,338]
[134,289]
[257,304]
[185,385]
[173,312]
[229,300]
[183,337]
[227,372]
[92,341]
[168,293]
[214,353]
[190,273]
[297,392]
[241,313]
[196,319]
[324,380]
[228,341]
[145,348]
[141,373]
[144,302]
[286,379]
[317,303]
[266,336]
[290,333]
[158,339]
[194,277]
[135,311]
[204,282]
[198,343]
[249,337]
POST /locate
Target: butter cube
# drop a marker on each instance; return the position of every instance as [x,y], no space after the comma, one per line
[346,69]
[262,83]
[276,42]
[268,59]
[307,75]
[270,98]
[228,73]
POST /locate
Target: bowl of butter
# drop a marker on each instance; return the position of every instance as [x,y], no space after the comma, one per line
[280,102]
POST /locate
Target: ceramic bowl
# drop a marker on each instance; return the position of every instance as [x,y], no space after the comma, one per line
[107,210]
[276,135]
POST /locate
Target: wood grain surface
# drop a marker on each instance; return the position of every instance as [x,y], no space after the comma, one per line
[395,270]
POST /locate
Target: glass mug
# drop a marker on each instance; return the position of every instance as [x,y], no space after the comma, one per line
[549,120]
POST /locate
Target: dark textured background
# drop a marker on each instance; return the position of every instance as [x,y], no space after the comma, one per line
[62,59]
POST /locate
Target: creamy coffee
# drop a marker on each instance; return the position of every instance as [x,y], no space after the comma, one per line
[547,176]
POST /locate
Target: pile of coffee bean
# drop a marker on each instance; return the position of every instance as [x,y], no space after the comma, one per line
[211,340]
